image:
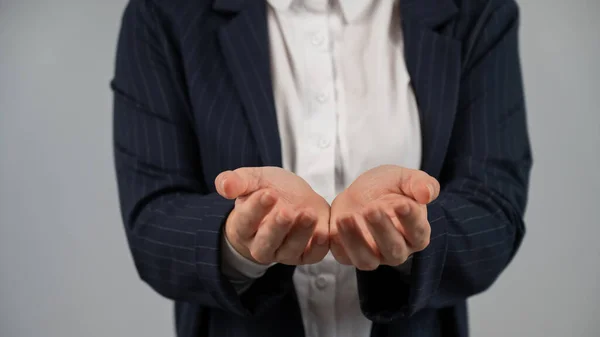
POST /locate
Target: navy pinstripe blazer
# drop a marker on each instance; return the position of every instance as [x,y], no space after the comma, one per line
[193,97]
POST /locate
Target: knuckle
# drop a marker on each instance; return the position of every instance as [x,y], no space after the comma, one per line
[286,254]
[397,252]
[238,232]
[260,256]
[420,231]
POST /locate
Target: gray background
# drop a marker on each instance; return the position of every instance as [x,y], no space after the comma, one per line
[64,266]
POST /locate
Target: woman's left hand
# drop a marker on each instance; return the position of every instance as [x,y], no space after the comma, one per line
[381,218]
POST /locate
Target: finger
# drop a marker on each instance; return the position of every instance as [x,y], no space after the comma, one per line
[318,246]
[355,245]
[420,186]
[251,213]
[270,236]
[243,181]
[414,226]
[336,247]
[297,239]
[321,234]
[389,240]
[316,250]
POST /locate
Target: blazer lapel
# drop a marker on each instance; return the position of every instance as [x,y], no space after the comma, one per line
[245,44]
[433,61]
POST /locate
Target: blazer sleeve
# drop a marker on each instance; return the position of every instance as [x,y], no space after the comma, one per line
[173,218]
[477,221]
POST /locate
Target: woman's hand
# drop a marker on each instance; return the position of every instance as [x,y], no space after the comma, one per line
[381,218]
[277,217]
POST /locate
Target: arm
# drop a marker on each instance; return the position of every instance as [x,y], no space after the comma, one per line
[173,219]
[476,223]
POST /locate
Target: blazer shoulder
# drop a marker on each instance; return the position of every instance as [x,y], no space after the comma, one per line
[172,12]
[173,19]
[473,16]
[475,7]
[174,6]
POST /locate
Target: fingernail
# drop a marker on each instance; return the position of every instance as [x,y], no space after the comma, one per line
[431,191]
[266,199]
[223,185]
[280,219]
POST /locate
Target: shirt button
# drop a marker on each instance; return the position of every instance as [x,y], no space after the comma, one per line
[321,282]
[322,97]
[317,39]
[324,143]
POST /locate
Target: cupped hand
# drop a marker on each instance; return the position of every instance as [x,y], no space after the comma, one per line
[381,218]
[277,216]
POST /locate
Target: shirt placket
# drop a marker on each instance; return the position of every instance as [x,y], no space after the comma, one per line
[316,160]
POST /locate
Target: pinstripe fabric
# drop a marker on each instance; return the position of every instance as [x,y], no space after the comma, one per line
[193,97]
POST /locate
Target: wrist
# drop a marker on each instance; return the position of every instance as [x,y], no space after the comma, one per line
[237,266]
[231,238]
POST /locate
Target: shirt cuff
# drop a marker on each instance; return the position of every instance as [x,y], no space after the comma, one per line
[237,267]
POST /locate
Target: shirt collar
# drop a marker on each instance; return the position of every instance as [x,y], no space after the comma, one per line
[351,9]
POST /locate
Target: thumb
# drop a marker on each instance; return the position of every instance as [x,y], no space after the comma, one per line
[240,182]
[420,186]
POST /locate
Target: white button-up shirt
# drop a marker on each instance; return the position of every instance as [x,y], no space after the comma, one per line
[344,105]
